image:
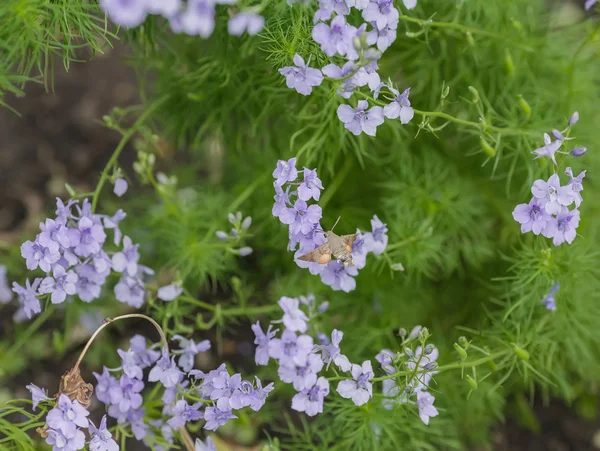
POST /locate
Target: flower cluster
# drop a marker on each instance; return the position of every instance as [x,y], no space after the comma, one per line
[70,250]
[361,47]
[547,213]
[240,227]
[194,17]
[306,233]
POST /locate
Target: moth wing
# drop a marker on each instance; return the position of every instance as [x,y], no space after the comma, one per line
[349,239]
[315,256]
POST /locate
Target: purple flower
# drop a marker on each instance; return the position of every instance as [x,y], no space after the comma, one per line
[285,172]
[360,390]
[382,12]
[143,357]
[37,255]
[209,446]
[550,148]
[87,238]
[282,199]
[578,151]
[198,19]
[245,21]
[302,377]
[165,371]
[188,351]
[377,240]
[53,232]
[170,292]
[400,107]
[291,349]
[302,217]
[70,440]
[562,227]
[589,4]
[382,37]
[130,364]
[262,343]
[360,119]
[62,284]
[107,389]
[166,8]
[385,357]
[183,413]
[310,400]
[531,216]
[573,119]
[37,394]
[294,319]
[27,297]
[63,212]
[358,4]
[66,414]
[410,4]
[426,361]
[130,398]
[215,418]
[129,13]
[120,187]
[328,7]
[337,37]
[331,352]
[311,186]
[301,78]
[102,438]
[113,223]
[551,195]
[548,300]
[359,251]
[224,385]
[247,395]
[576,183]
[349,83]
[130,291]
[425,405]
[339,277]
[127,260]
[89,282]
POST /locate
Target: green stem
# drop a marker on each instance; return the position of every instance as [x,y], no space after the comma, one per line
[336,183]
[242,311]
[33,327]
[571,68]
[120,147]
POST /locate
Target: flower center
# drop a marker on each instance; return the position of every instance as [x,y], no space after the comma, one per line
[290,348]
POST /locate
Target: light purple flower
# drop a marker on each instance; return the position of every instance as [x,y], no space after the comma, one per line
[170,292]
[294,319]
[310,400]
[410,4]
[70,440]
[549,149]
[184,412]
[215,418]
[349,83]
[188,351]
[302,217]
[165,371]
[282,199]
[358,4]
[578,151]
[336,37]
[143,357]
[165,8]
[107,389]
[63,212]
[37,394]
[224,385]
[130,398]
[101,437]
[551,195]
[120,187]
[359,251]
[27,297]
[425,405]
[53,231]
[360,119]
[304,376]
[197,19]
[382,37]
[339,277]
[563,227]
[311,186]
[548,300]
[209,446]
[385,357]
[400,107]
[285,172]
[130,291]
[291,349]
[382,12]
[113,223]
[427,362]
[245,21]
[531,216]
[66,414]
[262,343]
[89,282]
[360,390]
[589,4]
[130,363]
[328,7]
[301,78]
[126,261]
[576,183]
[246,395]
[331,352]
[377,240]
[128,13]
[87,238]
[37,255]
[60,285]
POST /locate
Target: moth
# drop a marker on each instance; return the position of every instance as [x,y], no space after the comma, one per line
[339,246]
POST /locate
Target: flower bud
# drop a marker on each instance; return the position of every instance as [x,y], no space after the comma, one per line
[221,235]
[429,349]
[231,218]
[472,382]
[524,106]
[573,119]
[323,307]
[461,351]
[247,222]
[402,332]
[558,135]
[238,216]
[509,63]
[470,39]
[487,148]
[475,93]
[408,353]
[397,267]
[520,352]
[245,251]
[463,342]
[431,366]
[423,334]
[445,91]
[578,151]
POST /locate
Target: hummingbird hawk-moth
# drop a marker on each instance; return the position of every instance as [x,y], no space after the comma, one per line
[339,246]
